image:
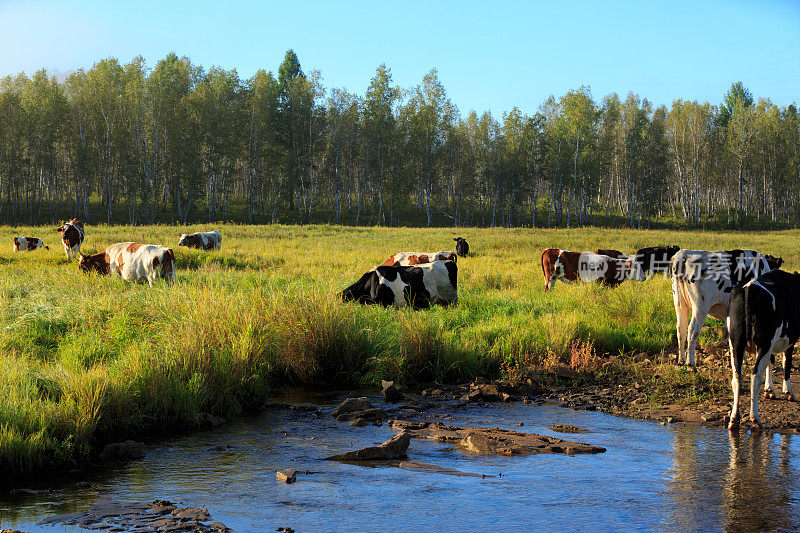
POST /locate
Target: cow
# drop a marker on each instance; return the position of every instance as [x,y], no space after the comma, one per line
[462,246]
[211,240]
[647,262]
[584,266]
[71,237]
[28,244]
[702,282]
[418,258]
[418,286]
[765,318]
[132,262]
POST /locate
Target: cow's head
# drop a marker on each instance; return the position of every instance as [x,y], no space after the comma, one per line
[94,263]
[773,262]
[361,290]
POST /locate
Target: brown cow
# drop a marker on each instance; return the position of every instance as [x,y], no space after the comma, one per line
[580,266]
[28,244]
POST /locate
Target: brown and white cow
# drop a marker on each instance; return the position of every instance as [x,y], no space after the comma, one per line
[132,262]
[209,240]
[28,244]
[71,237]
[580,266]
[418,258]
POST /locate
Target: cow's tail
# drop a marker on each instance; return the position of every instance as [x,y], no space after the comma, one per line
[544,268]
[740,323]
[168,266]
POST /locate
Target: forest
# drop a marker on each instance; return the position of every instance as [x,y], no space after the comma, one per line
[176,143]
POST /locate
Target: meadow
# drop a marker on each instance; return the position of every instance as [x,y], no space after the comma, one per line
[87,359]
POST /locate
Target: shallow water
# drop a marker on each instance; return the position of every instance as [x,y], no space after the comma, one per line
[653,477]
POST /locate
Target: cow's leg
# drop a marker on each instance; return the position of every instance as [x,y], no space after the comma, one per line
[737,358]
[682,318]
[68,251]
[787,371]
[769,385]
[762,360]
[695,326]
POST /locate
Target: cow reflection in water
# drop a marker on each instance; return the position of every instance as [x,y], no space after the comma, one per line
[750,488]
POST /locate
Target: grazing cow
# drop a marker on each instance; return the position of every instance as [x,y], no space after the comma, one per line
[71,237]
[23,244]
[584,266]
[418,286]
[211,240]
[462,246]
[702,282]
[765,318]
[418,258]
[132,262]
[647,262]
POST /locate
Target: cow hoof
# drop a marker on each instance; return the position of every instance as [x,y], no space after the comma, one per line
[790,397]
[733,424]
[769,395]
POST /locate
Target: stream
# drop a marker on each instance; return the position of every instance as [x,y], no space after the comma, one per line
[651,478]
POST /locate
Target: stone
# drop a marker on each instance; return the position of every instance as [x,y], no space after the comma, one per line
[120,451]
[288,475]
[352,405]
[196,514]
[491,441]
[567,428]
[394,448]
[390,392]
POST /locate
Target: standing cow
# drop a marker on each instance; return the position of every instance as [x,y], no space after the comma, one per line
[570,266]
[28,244]
[71,237]
[210,240]
[764,317]
[132,262]
[418,258]
[702,282]
[418,286]
[462,246]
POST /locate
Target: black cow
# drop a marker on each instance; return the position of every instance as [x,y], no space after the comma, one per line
[418,286]
[462,247]
[764,315]
[647,262]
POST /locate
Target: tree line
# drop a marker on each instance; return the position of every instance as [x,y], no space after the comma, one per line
[178,143]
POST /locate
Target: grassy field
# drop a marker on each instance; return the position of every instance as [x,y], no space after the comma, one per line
[86,359]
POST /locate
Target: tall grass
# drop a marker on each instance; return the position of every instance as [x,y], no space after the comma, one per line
[86,359]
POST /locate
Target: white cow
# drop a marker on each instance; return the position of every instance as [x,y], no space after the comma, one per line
[209,240]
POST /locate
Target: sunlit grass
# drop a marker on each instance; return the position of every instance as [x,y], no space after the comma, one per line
[84,359]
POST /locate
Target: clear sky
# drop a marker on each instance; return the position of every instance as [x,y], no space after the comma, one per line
[490,55]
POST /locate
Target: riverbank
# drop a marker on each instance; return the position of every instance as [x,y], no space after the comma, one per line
[86,360]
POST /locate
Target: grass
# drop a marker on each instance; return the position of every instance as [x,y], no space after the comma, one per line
[86,359]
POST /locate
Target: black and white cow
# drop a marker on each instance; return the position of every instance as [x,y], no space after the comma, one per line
[418,286]
[462,246]
[204,240]
[765,318]
[647,262]
[702,282]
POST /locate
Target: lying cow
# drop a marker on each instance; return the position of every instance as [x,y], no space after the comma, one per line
[71,237]
[765,318]
[647,262]
[418,258]
[132,262]
[28,244]
[580,266]
[462,246]
[702,282]
[418,286]
[211,240]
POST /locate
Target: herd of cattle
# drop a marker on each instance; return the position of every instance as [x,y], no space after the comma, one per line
[745,288]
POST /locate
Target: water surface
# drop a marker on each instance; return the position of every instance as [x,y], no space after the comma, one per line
[652,478]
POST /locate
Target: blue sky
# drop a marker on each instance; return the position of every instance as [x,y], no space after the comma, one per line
[490,55]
